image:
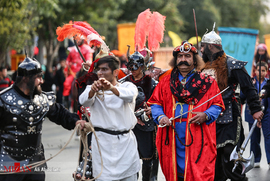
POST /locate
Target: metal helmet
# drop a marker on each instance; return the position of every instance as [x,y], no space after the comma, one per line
[211,37]
[29,67]
[136,60]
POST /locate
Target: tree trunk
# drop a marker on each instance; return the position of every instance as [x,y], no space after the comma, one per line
[51,47]
[2,57]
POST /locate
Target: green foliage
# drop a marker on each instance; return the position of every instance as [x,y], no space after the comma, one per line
[20,20]
[227,13]
[205,13]
[15,23]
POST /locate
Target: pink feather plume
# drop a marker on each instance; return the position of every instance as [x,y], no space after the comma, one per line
[141,29]
[83,31]
[86,25]
[156,29]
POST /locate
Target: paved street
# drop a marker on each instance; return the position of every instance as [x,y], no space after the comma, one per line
[61,167]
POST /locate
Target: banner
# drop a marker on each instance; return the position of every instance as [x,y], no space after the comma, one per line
[239,43]
[176,40]
[267,41]
[125,33]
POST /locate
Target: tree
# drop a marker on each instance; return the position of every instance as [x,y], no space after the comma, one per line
[21,20]
[229,13]
[101,15]
[17,25]
[206,15]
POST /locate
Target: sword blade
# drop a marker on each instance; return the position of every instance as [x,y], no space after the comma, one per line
[196,107]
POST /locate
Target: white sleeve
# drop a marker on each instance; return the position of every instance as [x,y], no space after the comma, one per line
[83,98]
[128,92]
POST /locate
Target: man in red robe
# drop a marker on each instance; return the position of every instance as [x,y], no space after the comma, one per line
[187,151]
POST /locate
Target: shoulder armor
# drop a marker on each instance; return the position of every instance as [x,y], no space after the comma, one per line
[30,111]
[51,97]
[3,92]
[233,63]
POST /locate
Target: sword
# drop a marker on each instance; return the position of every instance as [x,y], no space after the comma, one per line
[77,45]
[124,77]
[195,107]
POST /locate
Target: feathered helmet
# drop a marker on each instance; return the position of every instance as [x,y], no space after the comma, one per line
[79,29]
[212,37]
[149,26]
[185,47]
[29,67]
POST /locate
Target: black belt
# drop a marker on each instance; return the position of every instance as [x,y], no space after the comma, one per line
[110,131]
[180,174]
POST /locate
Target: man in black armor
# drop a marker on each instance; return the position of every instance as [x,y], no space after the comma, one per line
[145,129]
[229,72]
[23,108]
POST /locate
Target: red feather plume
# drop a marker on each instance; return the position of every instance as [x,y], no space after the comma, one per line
[77,29]
[141,29]
[156,27]
[67,31]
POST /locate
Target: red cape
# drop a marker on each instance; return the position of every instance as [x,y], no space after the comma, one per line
[205,168]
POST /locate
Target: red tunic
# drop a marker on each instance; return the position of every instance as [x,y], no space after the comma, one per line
[205,168]
[67,85]
[74,59]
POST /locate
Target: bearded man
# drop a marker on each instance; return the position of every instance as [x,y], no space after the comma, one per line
[229,72]
[23,108]
[186,150]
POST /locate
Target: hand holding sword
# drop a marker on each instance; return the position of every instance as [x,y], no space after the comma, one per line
[165,121]
[168,122]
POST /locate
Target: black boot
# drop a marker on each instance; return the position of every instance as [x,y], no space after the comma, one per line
[146,170]
[154,172]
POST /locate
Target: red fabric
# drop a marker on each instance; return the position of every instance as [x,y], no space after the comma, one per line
[205,168]
[168,72]
[79,114]
[121,74]
[74,59]
[93,65]
[67,85]
[4,83]
[13,52]
[36,50]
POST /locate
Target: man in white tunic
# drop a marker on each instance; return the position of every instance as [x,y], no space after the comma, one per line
[112,114]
